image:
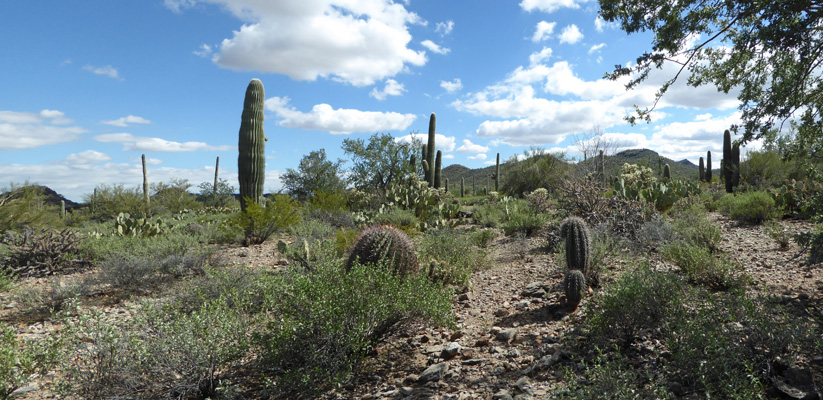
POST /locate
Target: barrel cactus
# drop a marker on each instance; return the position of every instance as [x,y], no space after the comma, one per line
[251,162]
[575,232]
[384,244]
[574,285]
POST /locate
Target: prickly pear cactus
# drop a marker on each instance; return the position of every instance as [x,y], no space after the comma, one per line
[574,285]
[575,232]
[384,244]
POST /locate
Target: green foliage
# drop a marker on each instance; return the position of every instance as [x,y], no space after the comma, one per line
[223,198]
[251,160]
[539,169]
[173,197]
[455,268]
[614,375]
[633,174]
[328,319]
[21,359]
[778,233]
[641,299]
[753,207]
[433,207]
[259,223]
[662,195]
[574,285]
[813,243]
[489,215]
[483,237]
[803,199]
[6,280]
[110,201]
[767,168]
[22,206]
[380,162]
[715,271]
[768,66]
[522,219]
[396,216]
[314,174]
[691,223]
[384,245]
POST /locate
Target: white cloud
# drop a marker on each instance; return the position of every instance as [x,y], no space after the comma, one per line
[600,24]
[357,41]
[452,87]
[597,47]
[434,47]
[125,121]
[444,28]
[443,142]
[448,156]
[145,144]
[469,147]
[107,70]
[204,51]
[87,157]
[539,57]
[480,156]
[549,6]
[24,130]
[571,34]
[323,117]
[392,88]
[543,31]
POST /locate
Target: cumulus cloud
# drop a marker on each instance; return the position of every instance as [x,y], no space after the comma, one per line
[469,147]
[543,31]
[138,143]
[600,24]
[204,51]
[540,56]
[571,34]
[87,157]
[107,70]
[444,143]
[357,42]
[549,6]
[125,121]
[444,28]
[25,130]
[452,87]
[323,117]
[597,47]
[481,156]
[392,88]
[434,47]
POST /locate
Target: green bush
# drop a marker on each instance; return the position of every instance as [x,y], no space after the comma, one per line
[110,201]
[25,206]
[20,359]
[259,223]
[524,220]
[702,267]
[753,207]
[613,375]
[6,280]
[328,319]
[692,224]
[150,273]
[641,299]
[483,237]
[173,197]
[451,266]
[396,216]
[489,215]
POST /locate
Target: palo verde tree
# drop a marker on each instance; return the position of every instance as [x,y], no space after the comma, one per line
[769,51]
[379,162]
[314,174]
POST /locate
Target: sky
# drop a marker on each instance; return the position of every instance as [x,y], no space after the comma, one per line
[87,87]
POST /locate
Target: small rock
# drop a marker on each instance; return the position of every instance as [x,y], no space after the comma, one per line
[24,390]
[507,335]
[501,313]
[475,361]
[434,373]
[482,342]
[513,353]
[406,390]
[503,394]
[465,297]
[533,289]
[456,335]
[524,385]
[451,350]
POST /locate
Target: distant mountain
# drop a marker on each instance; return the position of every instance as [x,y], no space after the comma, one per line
[51,197]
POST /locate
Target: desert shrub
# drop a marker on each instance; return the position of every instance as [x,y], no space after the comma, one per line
[483,237]
[585,198]
[224,198]
[331,208]
[451,267]
[328,319]
[40,252]
[6,280]
[753,207]
[729,347]
[259,223]
[538,169]
[21,360]
[603,245]
[148,273]
[396,216]
[539,200]
[640,299]
[768,168]
[525,220]
[61,295]
[489,215]
[25,206]
[172,197]
[811,242]
[163,353]
[111,200]
[778,233]
[655,233]
[311,230]
[692,224]
[612,374]
[702,267]
[173,242]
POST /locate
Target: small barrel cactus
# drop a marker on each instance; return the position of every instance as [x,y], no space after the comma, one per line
[575,232]
[575,285]
[384,244]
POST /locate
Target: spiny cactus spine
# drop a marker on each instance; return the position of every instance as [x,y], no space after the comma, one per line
[575,232]
[574,285]
[251,162]
[430,149]
[384,244]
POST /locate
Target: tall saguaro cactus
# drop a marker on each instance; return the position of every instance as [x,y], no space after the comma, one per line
[701,171]
[251,162]
[437,164]
[727,164]
[735,161]
[430,148]
[145,184]
[216,168]
[497,174]
[709,167]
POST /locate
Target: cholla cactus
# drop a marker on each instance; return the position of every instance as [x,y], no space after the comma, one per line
[575,232]
[574,285]
[633,173]
[384,244]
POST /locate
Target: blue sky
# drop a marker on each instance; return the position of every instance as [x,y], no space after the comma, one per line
[87,87]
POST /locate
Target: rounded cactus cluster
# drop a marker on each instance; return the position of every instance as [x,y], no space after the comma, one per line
[384,244]
[575,285]
[575,233]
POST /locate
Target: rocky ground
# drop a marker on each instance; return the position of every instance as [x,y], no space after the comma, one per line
[508,342]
